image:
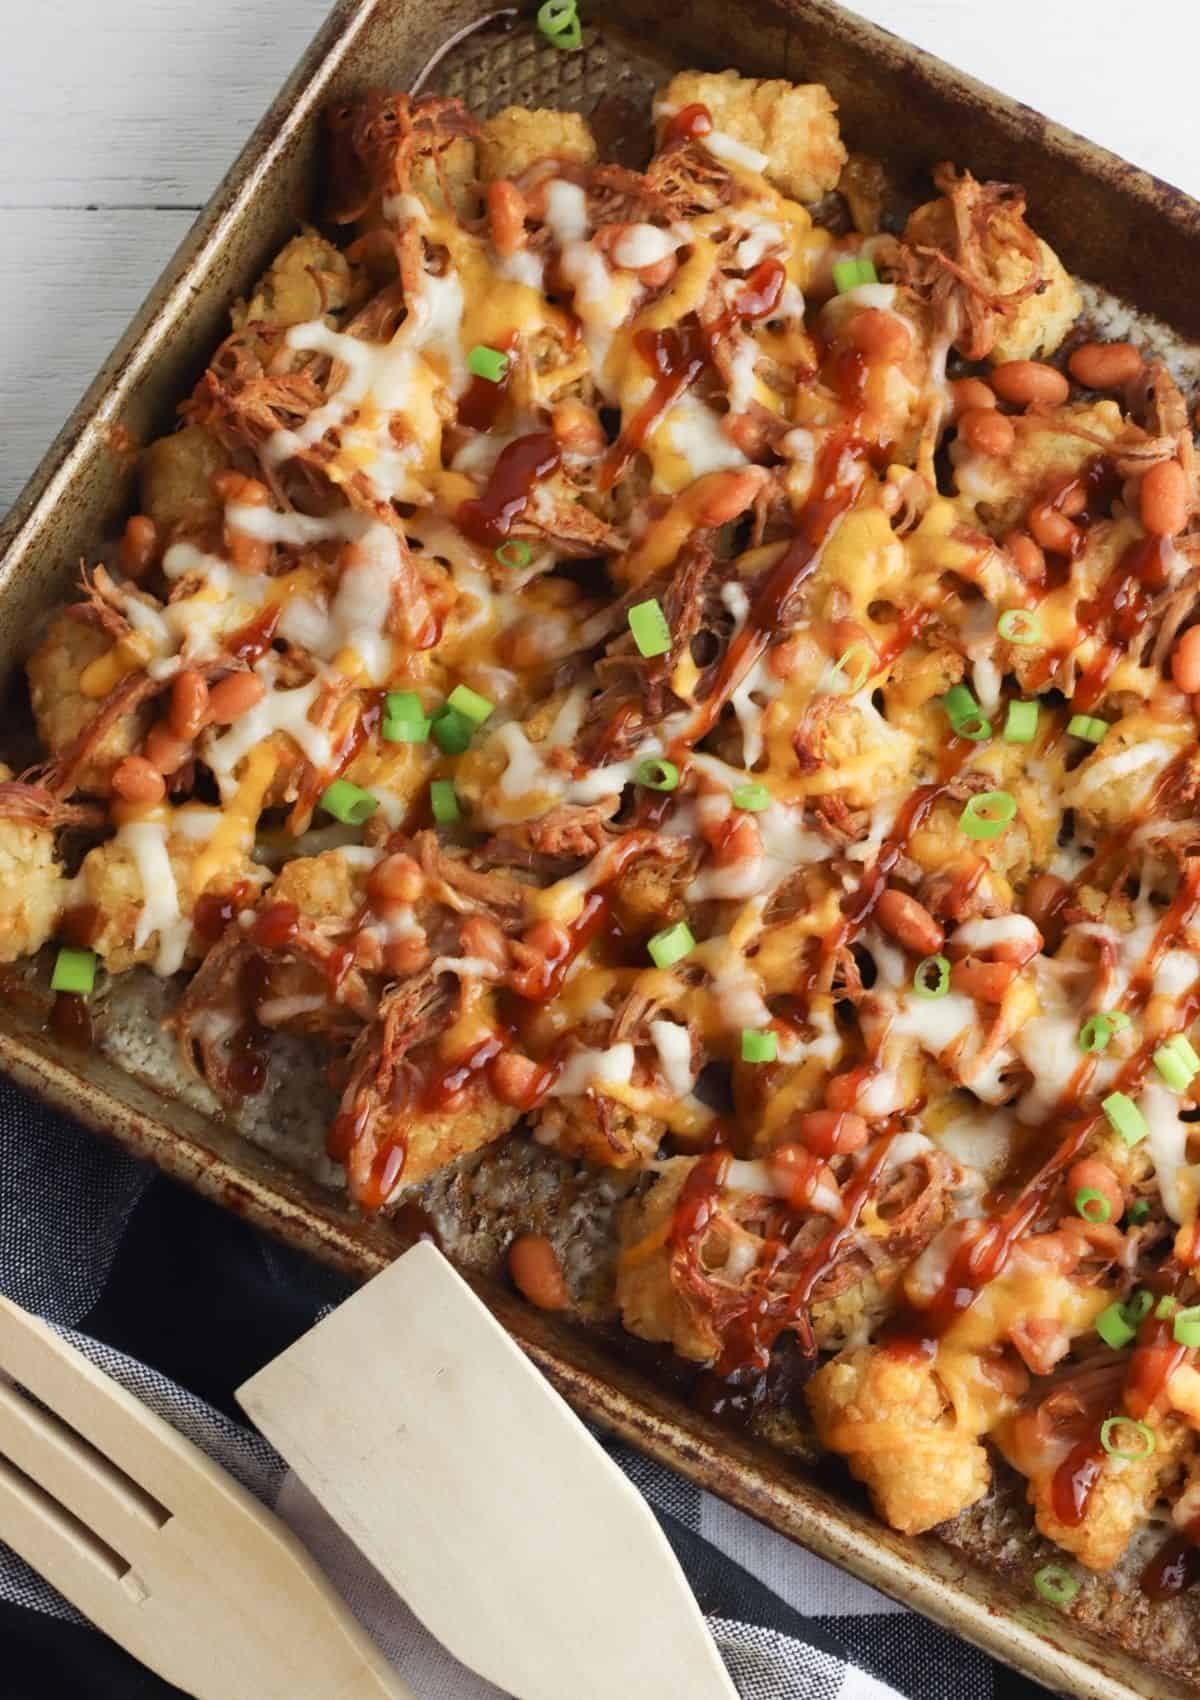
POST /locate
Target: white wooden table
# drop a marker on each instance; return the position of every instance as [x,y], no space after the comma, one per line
[117,118]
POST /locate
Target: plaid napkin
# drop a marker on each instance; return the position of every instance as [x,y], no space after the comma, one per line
[180,1302]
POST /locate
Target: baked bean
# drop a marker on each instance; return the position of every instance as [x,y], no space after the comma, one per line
[189,705]
[1024,382]
[909,922]
[1072,499]
[716,498]
[536,1272]
[479,936]
[971,395]
[987,981]
[841,1090]
[1053,530]
[1104,365]
[831,1133]
[236,693]
[248,554]
[139,546]
[805,1182]
[163,750]
[237,490]
[1091,1173]
[1164,499]
[987,432]
[407,955]
[879,335]
[368,952]
[396,879]
[1026,556]
[137,781]
[577,427]
[844,634]
[516,1079]
[1185,661]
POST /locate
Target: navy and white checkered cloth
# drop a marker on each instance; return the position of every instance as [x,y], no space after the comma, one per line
[180,1302]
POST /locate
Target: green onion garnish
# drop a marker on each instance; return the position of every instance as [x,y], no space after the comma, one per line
[443,800]
[515,554]
[854,666]
[987,815]
[656,774]
[558,21]
[649,626]
[1139,1210]
[451,730]
[1087,726]
[1124,1118]
[848,274]
[964,714]
[74,971]
[1019,625]
[1055,1584]
[462,700]
[671,945]
[1097,1030]
[759,1047]
[489,363]
[1138,1308]
[348,803]
[753,798]
[931,978]
[1174,1065]
[1185,1326]
[1021,723]
[1092,1205]
[404,720]
[1112,1325]
[1145,1435]
[1166,1306]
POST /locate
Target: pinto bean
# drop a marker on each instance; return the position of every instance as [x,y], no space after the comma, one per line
[986,981]
[718,497]
[1026,382]
[479,936]
[879,336]
[189,705]
[1026,556]
[139,546]
[1163,499]
[806,1182]
[970,395]
[236,693]
[987,432]
[1105,365]
[516,1079]
[1096,1176]
[1053,530]
[1185,661]
[406,955]
[536,1272]
[909,922]
[137,781]
[396,879]
[163,750]
[831,1133]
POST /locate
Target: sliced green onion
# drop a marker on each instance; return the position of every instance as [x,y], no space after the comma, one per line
[1019,625]
[515,553]
[1177,1073]
[1124,1118]
[443,800]
[451,730]
[489,363]
[1112,1325]
[848,274]
[74,971]
[759,1047]
[658,775]
[1185,1326]
[753,798]
[1138,1308]
[1021,723]
[396,731]
[931,978]
[867,272]
[1184,1050]
[558,21]
[1146,1435]
[964,714]
[1167,1305]
[348,803]
[987,815]
[1139,1210]
[1088,727]
[671,945]
[1055,1584]
[403,705]
[463,700]
[649,626]
[1097,1030]
[864,662]
[1092,1205]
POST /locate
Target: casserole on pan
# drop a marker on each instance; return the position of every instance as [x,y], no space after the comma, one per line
[300,1204]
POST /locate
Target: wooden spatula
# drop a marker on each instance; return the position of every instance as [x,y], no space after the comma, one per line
[470,1485]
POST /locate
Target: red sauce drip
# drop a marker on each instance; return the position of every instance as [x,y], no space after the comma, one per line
[1120,610]
[80,926]
[70,1020]
[761,291]
[479,406]
[688,123]
[247,1071]
[216,909]
[385,1175]
[846,371]
[347,1129]
[275,927]
[442,1089]
[676,356]
[413,1223]
[697,1200]
[1175,1567]
[1153,1361]
[489,518]
[252,641]
[543,979]
[1075,1479]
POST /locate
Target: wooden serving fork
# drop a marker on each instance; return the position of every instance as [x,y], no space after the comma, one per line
[158,1545]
